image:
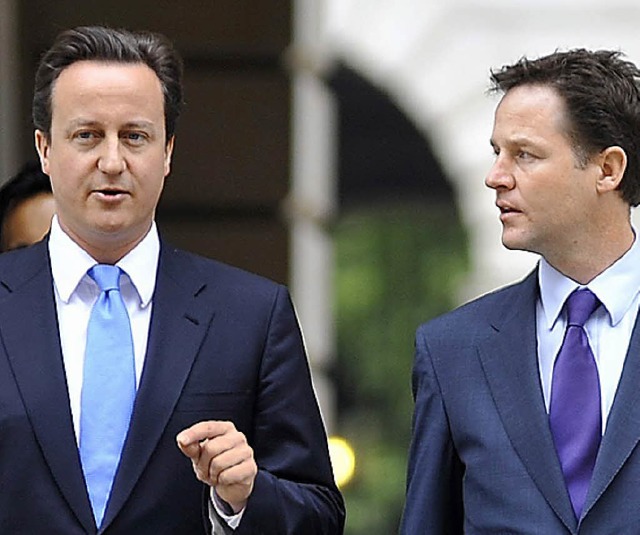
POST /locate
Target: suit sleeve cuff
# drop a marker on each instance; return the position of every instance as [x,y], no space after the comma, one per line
[223,509]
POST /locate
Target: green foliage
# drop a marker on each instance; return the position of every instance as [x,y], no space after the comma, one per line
[396,268]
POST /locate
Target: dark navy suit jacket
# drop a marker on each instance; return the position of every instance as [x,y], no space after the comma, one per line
[482,458]
[223,344]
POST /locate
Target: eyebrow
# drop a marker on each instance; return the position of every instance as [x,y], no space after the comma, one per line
[143,124]
[517,140]
[81,122]
[140,124]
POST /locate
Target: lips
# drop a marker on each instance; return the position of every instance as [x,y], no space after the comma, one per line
[506,208]
[110,190]
[508,212]
[110,193]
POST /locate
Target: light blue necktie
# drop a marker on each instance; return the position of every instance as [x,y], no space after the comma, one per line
[108,387]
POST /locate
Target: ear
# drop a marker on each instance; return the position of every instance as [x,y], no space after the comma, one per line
[42,146]
[613,163]
[168,153]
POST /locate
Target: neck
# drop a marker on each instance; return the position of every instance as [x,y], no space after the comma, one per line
[106,248]
[586,261]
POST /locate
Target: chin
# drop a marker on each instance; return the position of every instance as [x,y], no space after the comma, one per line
[515,242]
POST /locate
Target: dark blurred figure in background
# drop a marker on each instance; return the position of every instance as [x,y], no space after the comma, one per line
[26,208]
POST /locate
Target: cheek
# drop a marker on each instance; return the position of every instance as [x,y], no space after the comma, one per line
[150,190]
[158,190]
[65,189]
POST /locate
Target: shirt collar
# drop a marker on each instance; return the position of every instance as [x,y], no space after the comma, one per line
[616,287]
[70,263]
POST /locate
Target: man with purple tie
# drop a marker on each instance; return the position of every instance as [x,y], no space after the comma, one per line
[527,406]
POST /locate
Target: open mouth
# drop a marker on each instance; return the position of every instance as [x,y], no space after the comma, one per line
[505,208]
[110,194]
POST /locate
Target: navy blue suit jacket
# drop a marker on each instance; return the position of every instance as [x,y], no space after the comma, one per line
[482,458]
[223,344]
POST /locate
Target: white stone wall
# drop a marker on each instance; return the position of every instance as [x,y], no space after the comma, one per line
[433,58]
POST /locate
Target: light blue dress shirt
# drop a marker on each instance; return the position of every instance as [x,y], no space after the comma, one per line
[609,328]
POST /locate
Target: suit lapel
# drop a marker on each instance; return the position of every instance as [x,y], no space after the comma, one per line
[623,425]
[179,322]
[509,359]
[29,332]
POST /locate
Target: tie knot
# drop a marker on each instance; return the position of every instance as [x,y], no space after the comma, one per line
[580,305]
[107,277]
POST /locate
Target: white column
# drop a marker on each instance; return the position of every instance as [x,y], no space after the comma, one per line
[312,198]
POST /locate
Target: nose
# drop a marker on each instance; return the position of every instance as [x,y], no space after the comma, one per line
[111,160]
[499,176]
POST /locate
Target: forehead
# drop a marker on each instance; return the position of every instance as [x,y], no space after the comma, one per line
[531,109]
[92,84]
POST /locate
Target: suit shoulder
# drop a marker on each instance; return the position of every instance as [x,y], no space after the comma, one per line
[468,315]
[222,275]
[21,265]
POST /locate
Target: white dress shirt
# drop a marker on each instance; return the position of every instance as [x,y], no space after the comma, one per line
[75,294]
[608,329]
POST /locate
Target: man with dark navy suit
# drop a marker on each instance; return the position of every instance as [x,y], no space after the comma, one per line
[143,389]
[527,406]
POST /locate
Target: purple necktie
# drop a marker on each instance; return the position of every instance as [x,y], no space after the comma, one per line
[574,415]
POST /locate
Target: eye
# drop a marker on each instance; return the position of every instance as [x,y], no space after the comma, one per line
[86,137]
[135,138]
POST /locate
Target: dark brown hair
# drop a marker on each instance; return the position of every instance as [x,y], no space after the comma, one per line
[101,43]
[602,101]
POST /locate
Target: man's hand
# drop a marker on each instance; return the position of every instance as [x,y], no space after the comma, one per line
[221,458]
